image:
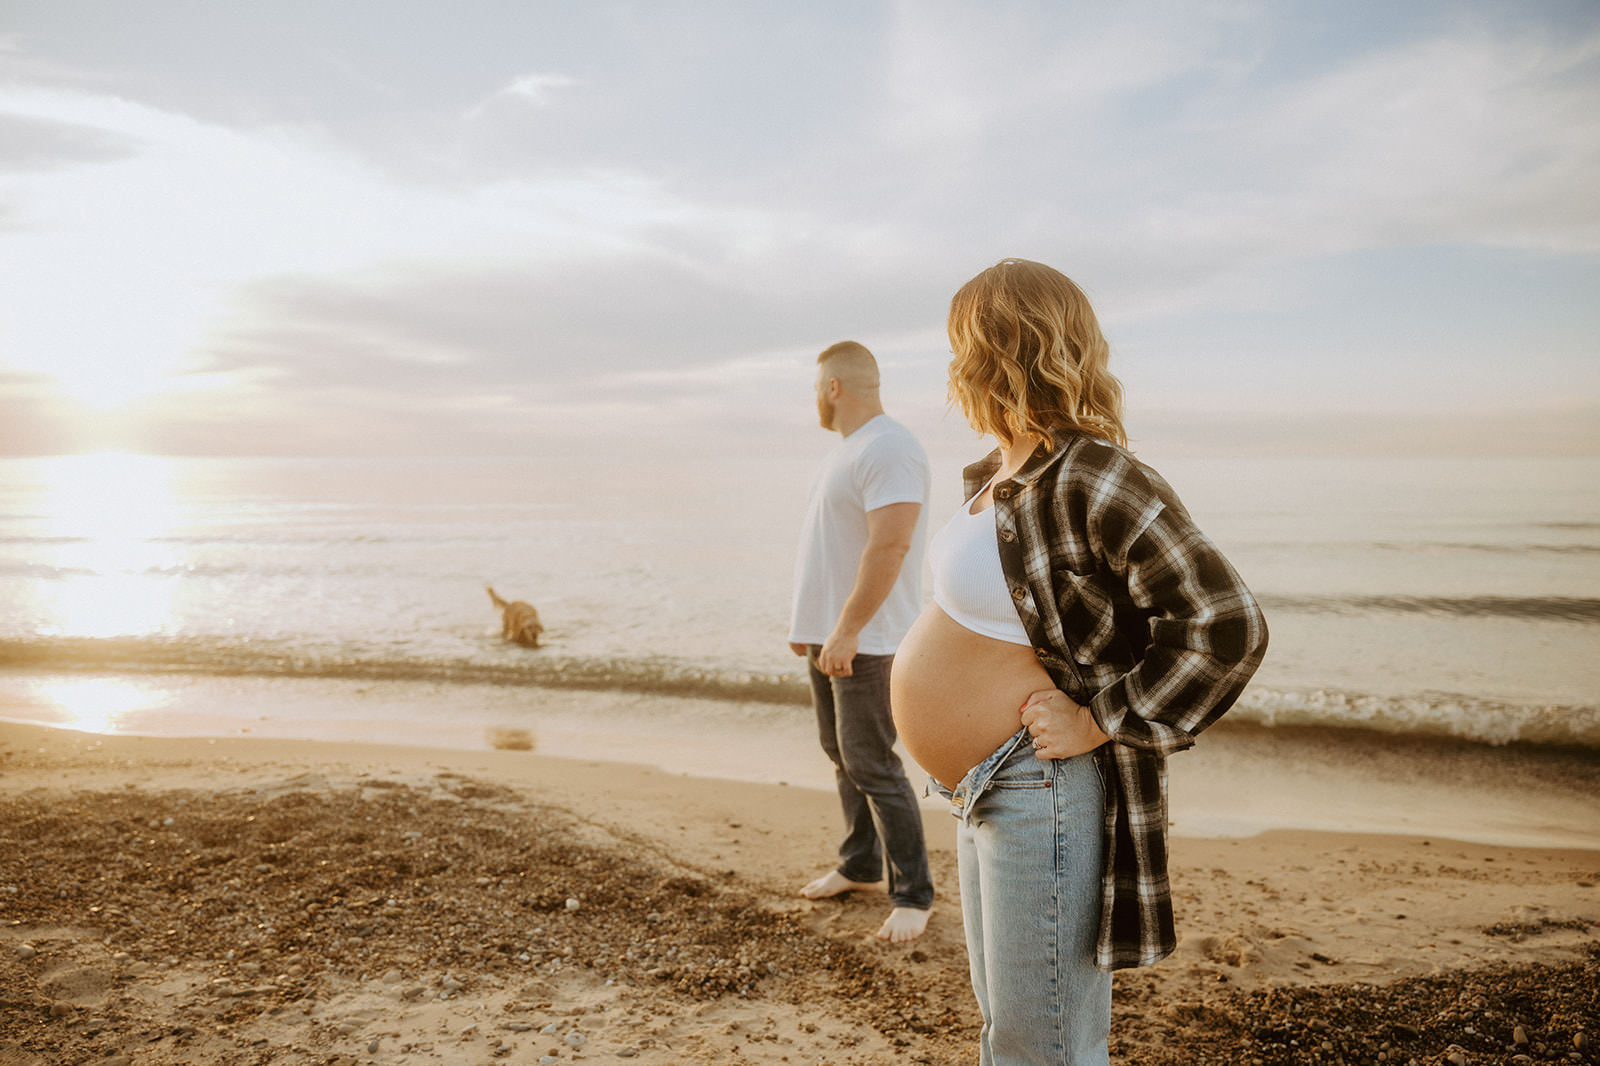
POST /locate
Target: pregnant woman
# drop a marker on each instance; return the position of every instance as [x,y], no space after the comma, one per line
[1082,630]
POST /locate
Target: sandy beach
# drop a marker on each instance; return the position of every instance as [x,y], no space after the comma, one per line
[248,900]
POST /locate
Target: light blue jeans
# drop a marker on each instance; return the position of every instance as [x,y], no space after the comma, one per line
[1029,852]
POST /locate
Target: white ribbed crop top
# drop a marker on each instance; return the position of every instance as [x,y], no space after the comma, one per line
[969,584]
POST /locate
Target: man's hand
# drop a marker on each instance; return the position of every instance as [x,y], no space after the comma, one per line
[1060,727]
[837,653]
[798,649]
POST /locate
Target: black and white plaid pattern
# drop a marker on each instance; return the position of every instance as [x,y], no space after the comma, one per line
[1134,613]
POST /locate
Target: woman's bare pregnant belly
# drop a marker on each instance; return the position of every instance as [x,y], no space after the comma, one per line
[957,695]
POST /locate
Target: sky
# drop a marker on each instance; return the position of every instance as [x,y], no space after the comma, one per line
[396,227]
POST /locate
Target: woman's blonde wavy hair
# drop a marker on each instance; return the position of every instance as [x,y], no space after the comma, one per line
[1030,357]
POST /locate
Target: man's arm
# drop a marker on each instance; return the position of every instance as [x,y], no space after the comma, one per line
[889,532]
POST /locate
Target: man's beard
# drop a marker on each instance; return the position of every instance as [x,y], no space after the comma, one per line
[825,412]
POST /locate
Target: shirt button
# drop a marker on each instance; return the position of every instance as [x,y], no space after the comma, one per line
[1007,536]
[1004,492]
[1018,593]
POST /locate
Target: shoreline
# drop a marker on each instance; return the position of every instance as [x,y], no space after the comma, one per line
[1241,778]
[1281,917]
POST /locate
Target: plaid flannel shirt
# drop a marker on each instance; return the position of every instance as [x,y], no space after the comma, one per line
[1138,616]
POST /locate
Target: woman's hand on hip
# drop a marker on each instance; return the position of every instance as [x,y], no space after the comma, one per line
[1060,728]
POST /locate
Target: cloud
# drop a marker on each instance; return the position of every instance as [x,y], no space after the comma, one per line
[31,419]
[34,144]
[664,240]
[961,73]
[1177,159]
[1473,138]
[535,90]
[162,238]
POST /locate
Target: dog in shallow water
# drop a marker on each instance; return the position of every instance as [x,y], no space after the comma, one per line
[518,620]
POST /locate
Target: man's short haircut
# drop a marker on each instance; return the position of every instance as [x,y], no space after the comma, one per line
[852,364]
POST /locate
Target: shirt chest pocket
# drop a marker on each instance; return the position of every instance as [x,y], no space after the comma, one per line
[1088,616]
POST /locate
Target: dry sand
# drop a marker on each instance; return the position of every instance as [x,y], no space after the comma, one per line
[253,901]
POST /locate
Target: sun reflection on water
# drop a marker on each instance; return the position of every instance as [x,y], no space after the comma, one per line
[109,512]
[96,705]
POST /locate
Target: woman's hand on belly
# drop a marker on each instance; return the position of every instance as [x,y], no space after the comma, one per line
[1060,727]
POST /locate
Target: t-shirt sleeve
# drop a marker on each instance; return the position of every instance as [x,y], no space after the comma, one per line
[892,470]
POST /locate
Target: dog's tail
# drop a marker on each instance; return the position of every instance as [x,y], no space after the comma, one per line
[495,598]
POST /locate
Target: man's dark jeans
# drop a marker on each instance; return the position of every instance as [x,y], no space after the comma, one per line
[880,809]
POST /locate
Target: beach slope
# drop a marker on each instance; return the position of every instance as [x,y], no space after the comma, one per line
[171,901]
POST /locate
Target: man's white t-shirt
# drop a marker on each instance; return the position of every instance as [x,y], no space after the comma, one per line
[879,464]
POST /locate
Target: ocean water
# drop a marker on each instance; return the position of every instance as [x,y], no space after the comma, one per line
[1426,597]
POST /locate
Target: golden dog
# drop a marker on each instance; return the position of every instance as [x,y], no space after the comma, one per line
[518,620]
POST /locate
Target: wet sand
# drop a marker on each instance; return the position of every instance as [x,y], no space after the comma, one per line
[173,901]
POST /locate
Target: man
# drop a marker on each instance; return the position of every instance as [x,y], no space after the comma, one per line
[856,593]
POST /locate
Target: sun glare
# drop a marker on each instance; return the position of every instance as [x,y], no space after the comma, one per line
[108,512]
[95,705]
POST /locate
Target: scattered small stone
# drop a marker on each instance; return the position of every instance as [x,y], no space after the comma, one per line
[60,1010]
[1581,1041]
[575,1041]
[517,1027]
[573,904]
[1519,1036]
[414,992]
[27,951]
[552,1029]
[372,1047]
[451,984]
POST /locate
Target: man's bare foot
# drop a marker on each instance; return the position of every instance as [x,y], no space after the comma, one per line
[833,883]
[905,923]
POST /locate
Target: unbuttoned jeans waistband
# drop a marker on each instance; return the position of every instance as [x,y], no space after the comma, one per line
[971,787]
